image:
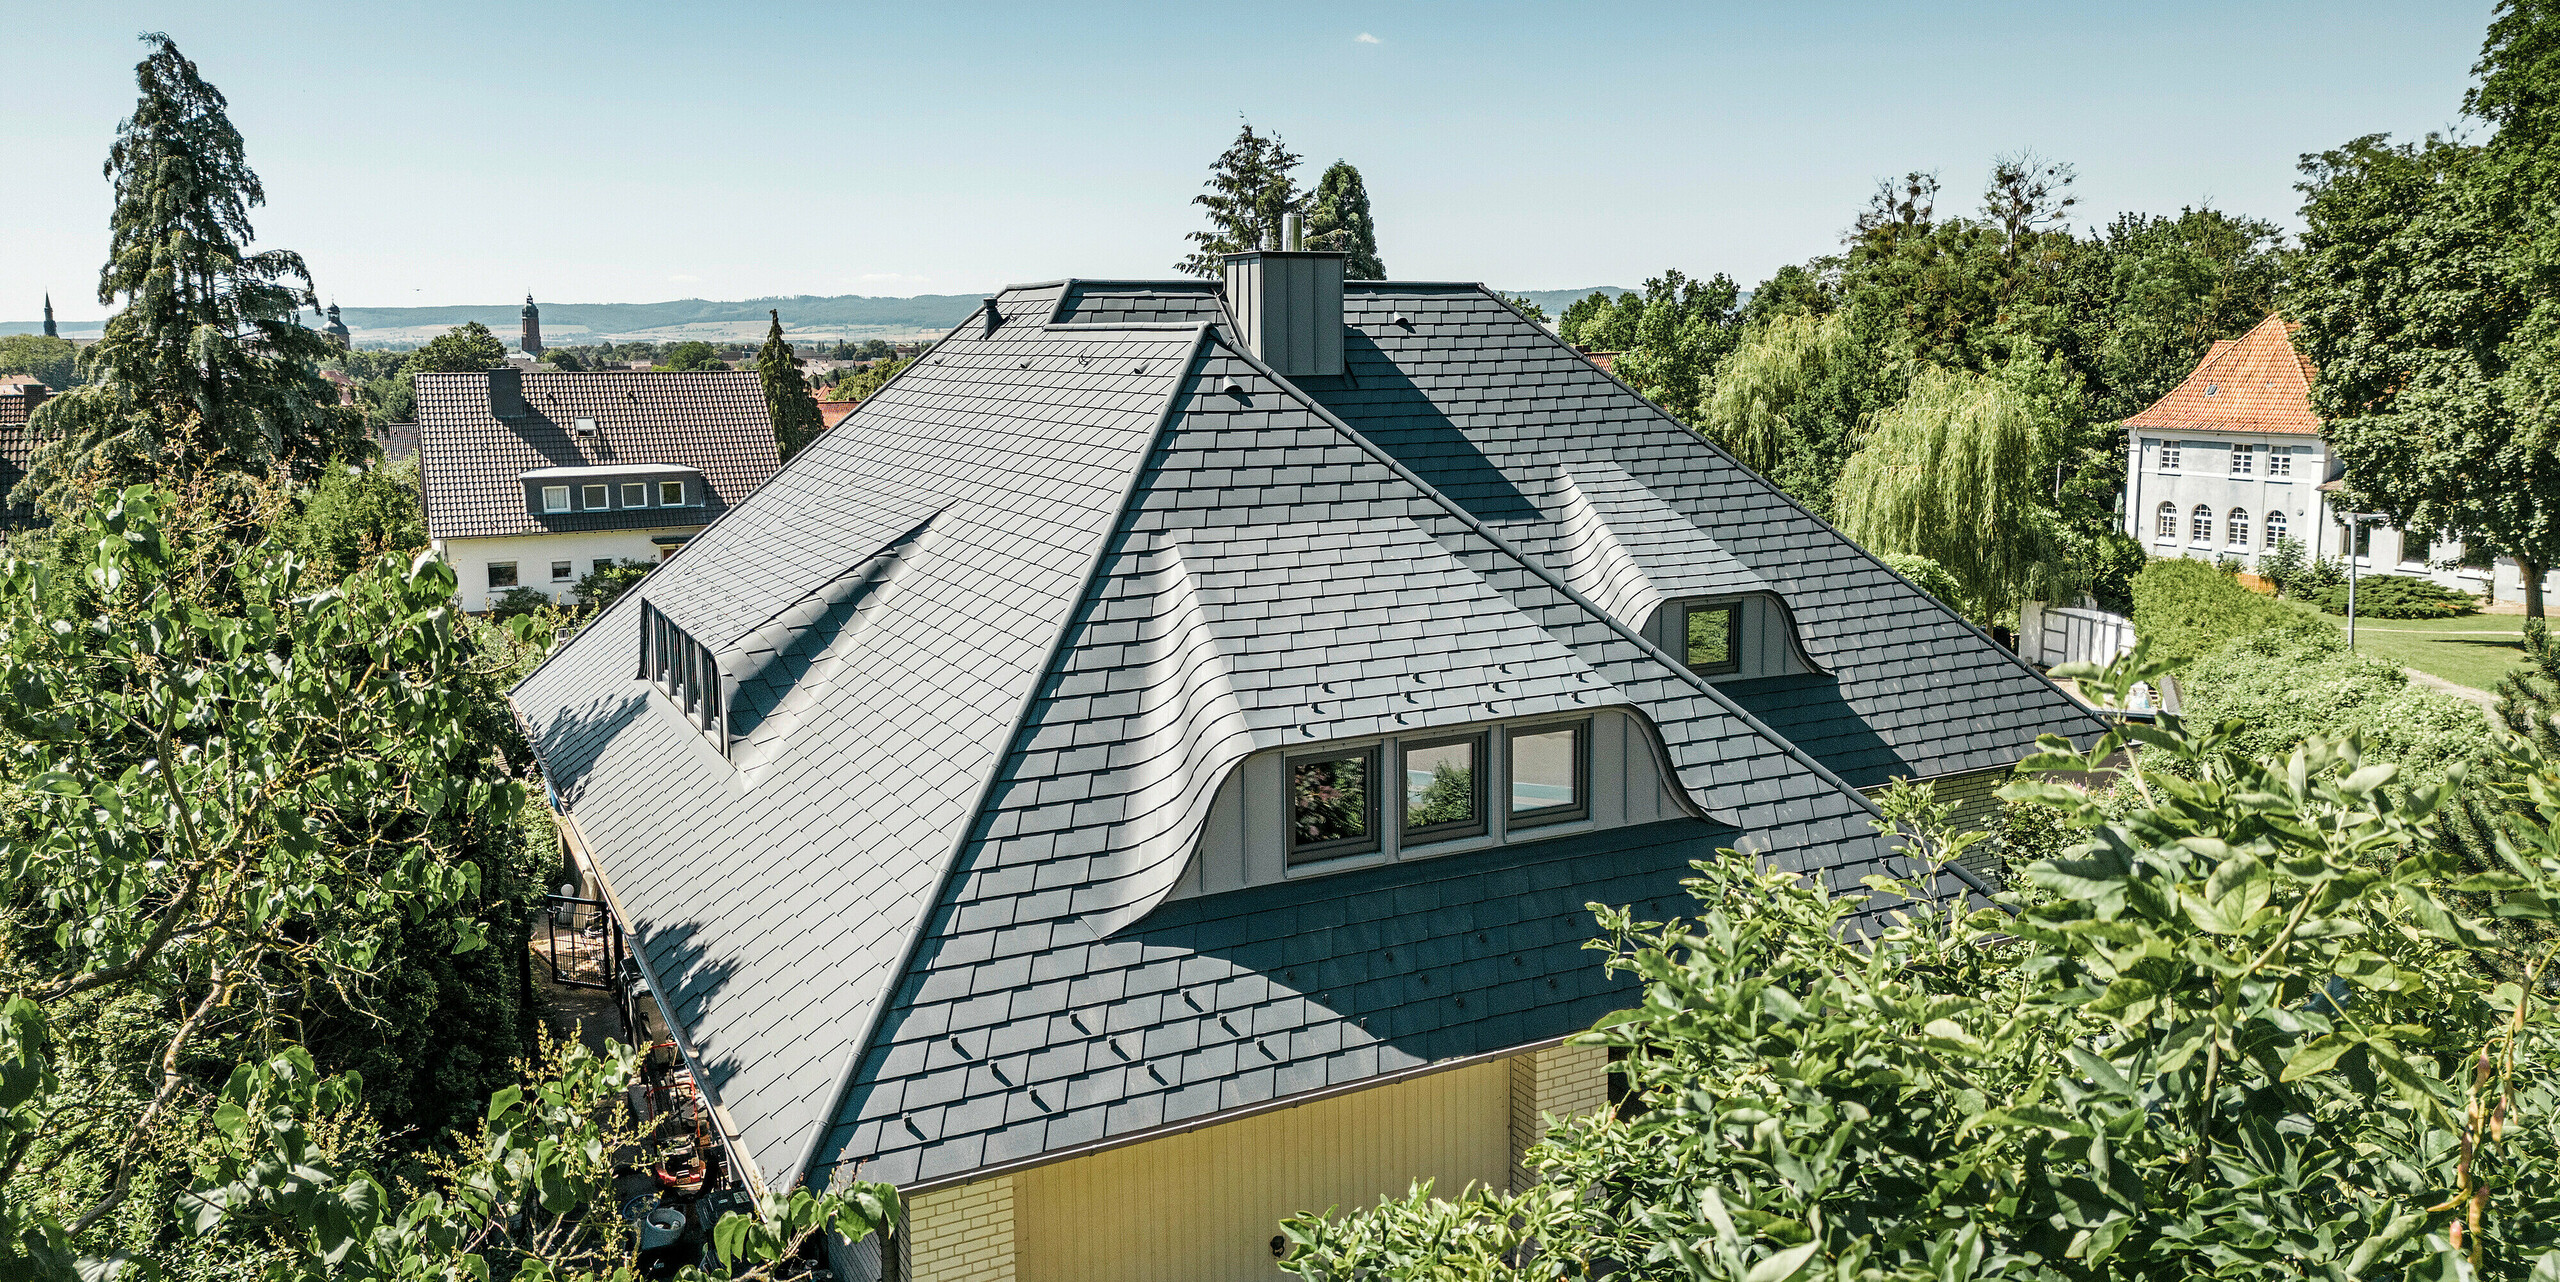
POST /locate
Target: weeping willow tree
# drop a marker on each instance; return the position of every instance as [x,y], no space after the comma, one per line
[1752,404]
[1952,473]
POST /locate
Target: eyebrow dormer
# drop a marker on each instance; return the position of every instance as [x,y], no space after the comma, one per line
[1730,638]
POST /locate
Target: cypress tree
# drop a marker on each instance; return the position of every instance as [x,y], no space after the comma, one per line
[208,367]
[786,393]
[1249,188]
[1340,221]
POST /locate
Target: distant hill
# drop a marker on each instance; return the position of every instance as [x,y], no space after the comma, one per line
[803,316]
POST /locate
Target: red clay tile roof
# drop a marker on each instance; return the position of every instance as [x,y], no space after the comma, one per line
[2254,383]
[834,412]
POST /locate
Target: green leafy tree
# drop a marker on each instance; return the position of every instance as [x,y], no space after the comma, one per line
[786,393]
[603,585]
[207,366]
[351,517]
[695,355]
[1953,472]
[858,385]
[1339,221]
[1765,405]
[467,348]
[2245,1026]
[1526,306]
[564,360]
[1249,188]
[54,361]
[1685,331]
[1806,288]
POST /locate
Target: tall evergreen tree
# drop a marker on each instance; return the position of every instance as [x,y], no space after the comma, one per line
[1249,188]
[786,392]
[1340,222]
[207,368]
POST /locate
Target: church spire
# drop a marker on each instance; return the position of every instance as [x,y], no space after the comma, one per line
[49,331]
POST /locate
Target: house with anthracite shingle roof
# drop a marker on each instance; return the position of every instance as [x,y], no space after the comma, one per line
[1141,775]
[533,478]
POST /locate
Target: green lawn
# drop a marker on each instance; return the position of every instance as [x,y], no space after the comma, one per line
[2474,651]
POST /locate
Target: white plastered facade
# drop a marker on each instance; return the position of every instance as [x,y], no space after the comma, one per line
[534,555]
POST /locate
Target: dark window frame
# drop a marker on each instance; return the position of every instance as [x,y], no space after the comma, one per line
[511,580]
[1732,636]
[1300,854]
[1513,816]
[1477,824]
[563,571]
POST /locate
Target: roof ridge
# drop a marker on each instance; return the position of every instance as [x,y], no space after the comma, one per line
[896,973]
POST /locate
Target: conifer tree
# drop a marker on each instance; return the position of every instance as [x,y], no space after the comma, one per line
[207,368]
[1340,221]
[1249,188]
[786,392]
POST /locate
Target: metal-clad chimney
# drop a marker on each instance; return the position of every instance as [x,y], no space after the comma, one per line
[1288,308]
[1293,232]
[506,393]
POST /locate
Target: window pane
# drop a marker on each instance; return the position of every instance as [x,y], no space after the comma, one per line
[1545,772]
[559,569]
[1710,639]
[635,494]
[555,498]
[671,493]
[598,496]
[502,574]
[1330,806]
[1440,786]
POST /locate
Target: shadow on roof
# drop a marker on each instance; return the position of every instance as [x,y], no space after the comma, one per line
[693,983]
[1389,409]
[569,744]
[1811,712]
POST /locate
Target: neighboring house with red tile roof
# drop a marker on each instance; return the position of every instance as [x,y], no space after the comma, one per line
[2233,459]
[20,394]
[833,412]
[532,478]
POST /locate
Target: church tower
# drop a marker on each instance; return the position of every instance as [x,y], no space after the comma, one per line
[532,340]
[337,329]
[48,318]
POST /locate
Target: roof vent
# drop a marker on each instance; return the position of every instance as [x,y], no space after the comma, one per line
[1288,309]
[582,427]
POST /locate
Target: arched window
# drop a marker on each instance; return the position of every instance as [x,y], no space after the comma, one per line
[2200,523]
[2275,528]
[2168,520]
[2239,527]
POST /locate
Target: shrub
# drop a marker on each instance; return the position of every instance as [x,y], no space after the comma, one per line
[349,517]
[519,601]
[2189,609]
[2298,680]
[2398,597]
[1928,575]
[605,583]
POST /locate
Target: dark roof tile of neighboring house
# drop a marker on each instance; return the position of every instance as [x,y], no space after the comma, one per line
[1024,610]
[19,397]
[470,458]
[2257,382]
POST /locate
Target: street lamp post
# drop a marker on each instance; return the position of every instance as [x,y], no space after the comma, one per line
[2355,526]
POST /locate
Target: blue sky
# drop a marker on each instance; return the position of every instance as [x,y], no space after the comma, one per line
[466,153]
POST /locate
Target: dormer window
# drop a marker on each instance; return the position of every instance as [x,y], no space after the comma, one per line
[555,498]
[1333,805]
[683,670]
[635,494]
[1550,773]
[1713,637]
[1443,788]
[597,497]
[671,494]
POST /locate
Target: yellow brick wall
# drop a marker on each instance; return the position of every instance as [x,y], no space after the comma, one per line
[1561,1081]
[962,1234]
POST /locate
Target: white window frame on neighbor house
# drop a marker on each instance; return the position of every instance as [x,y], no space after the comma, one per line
[555,498]
[597,496]
[2274,529]
[2170,456]
[671,494]
[2243,459]
[2237,528]
[2167,525]
[2280,462]
[635,494]
[2200,523]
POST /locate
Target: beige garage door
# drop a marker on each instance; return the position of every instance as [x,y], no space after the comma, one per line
[1204,1207]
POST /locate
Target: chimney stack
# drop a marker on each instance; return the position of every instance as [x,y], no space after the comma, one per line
[1288,308]
[506,392]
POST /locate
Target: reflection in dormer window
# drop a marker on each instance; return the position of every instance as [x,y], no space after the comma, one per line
[1333,809]
[1443,788]
[1550,773]
[1713,638]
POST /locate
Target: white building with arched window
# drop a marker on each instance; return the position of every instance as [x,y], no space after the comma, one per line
[2232,461]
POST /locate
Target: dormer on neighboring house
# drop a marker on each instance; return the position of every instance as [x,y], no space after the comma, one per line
[1143,773]
[533,479]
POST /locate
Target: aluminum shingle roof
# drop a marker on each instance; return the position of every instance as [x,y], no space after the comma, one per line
[469,457]
[928,936]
